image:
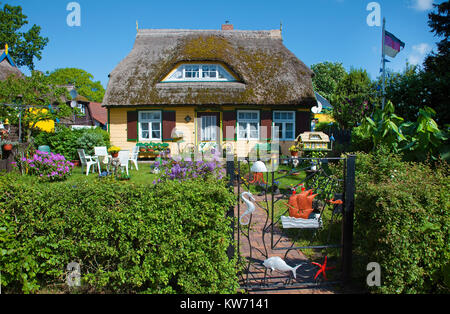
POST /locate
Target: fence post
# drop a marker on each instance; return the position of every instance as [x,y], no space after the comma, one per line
[348,217]
[230,213]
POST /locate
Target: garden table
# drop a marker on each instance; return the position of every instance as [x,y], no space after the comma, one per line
[114,164]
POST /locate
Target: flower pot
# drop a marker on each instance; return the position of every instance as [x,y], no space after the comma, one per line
[115,155]
[7,147]
[294,154]
[76,163]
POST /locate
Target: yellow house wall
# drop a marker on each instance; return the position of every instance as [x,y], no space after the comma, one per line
[118,131]
[118,126]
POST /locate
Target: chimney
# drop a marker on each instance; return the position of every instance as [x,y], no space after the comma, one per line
[227,26]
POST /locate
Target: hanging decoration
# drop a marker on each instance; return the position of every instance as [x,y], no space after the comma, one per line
[258,168]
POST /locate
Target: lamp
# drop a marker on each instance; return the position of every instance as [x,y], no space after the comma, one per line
[259,167]
[188,119]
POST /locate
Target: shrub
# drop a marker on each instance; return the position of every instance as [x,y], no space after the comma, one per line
[66,141]
[89,140]
[402,222]
[169,238]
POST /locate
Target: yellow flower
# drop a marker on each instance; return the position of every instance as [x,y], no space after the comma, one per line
[114,149]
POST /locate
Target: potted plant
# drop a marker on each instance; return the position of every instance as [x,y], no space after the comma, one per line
[114,151]
[294,149]
[7,146]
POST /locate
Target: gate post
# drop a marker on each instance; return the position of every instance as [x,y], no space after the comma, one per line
[348,217]
[230,213]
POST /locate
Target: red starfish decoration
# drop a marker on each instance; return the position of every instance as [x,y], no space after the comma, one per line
[323,269]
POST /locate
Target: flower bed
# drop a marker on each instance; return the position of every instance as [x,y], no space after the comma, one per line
[183,170]
[46,166]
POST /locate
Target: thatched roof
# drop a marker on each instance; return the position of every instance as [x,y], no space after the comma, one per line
[6,69]
[269,74]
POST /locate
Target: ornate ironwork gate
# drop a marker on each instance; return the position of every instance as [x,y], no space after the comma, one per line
[293,228]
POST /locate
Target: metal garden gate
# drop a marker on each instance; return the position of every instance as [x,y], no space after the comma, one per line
[293,240]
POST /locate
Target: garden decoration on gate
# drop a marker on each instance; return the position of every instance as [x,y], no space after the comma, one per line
[300,226]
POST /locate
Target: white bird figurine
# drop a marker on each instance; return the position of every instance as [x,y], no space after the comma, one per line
[250,207]
[276,263]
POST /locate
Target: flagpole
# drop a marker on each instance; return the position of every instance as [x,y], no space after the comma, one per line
[383,56]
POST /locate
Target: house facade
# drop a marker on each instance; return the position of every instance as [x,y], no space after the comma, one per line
[227,88]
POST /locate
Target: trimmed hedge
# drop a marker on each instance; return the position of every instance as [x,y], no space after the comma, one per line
[402,222]
[170,238]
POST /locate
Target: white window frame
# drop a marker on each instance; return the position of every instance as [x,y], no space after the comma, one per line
[228,77]
[150,125]
[283,122]
[248,122]
[82,108]
[210,130]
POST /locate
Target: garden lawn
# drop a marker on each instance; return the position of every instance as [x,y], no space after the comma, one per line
[143,176]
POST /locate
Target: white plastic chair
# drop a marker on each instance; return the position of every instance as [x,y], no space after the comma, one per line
[124,157]
[88,161]
[102,154]
[134,157]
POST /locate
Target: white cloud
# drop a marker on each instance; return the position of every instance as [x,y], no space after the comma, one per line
[419,53]
[422,5]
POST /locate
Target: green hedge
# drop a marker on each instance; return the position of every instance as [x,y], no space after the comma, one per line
[66,141]
[171,238]
[402,222]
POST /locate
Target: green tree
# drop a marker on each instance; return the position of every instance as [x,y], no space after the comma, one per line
[436,65]
[43,100]
[24,46]
[327,77]
[82,80]
[408,91]
[354,99]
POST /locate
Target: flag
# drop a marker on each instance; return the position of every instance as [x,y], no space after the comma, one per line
[392,45]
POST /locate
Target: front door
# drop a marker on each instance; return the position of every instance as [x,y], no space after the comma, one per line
[208,130]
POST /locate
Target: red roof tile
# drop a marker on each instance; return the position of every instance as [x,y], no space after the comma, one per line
[98,112]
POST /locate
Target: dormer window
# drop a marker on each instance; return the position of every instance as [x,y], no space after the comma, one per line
[200,73]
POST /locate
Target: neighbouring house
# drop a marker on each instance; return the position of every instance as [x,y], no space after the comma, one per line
[99,115]
[327,108]
[7,65]
[8,68]
[91,114]
[226,87]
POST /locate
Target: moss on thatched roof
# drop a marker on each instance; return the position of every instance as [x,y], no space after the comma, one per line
[269,74]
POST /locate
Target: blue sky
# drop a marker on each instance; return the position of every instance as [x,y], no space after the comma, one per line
[314,30]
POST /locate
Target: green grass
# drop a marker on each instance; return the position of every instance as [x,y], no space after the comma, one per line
[143,176]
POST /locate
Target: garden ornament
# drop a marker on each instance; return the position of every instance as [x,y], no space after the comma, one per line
[300,205]
[276,263]
[323,269]
[250,207]
[258,168]
[338,202]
